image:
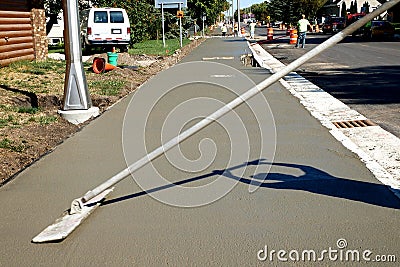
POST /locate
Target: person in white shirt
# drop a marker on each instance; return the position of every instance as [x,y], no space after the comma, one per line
[302,27]
[224,29]
[252,29]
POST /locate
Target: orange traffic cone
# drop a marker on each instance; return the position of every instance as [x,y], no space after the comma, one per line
[270,35]
[100,65]
[293,36]
[316,28]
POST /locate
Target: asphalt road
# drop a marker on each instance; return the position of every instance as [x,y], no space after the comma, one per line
[363,75]
[313,194]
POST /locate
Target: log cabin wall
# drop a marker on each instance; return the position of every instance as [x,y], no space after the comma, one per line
[22,31]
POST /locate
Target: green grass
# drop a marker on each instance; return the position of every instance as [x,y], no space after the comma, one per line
[10,120]
[107,87]
[44,120]
[150,47]
[38,67]
[29,110]
[8,108]
[396,27]
[3,123]
[8,144]
[155,47]
[59,48]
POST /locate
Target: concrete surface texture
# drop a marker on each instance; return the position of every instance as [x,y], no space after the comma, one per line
[313,195]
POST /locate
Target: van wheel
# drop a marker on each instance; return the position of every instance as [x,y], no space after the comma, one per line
[123,48]
[83,46]
[86,49]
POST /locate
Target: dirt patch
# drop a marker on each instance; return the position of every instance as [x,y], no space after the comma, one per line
[31,94]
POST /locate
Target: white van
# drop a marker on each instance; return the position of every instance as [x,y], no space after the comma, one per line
[105,27]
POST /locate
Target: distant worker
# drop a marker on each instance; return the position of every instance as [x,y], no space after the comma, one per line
[236,29]
[252,29]
[224,30]
[302,27]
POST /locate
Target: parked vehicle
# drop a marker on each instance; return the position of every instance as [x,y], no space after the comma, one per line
[276,24]
[333,24]
[351,18]
[379,29]
[105,27]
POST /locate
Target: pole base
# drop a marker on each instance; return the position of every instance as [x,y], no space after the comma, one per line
[80,115]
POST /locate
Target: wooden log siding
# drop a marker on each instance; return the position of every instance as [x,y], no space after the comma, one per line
[16,35]
[22,31]
[14,5]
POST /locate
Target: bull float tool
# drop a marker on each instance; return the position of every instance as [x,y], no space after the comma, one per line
[83,206]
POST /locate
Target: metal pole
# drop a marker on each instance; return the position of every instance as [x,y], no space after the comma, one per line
[77,105]
[204,18]
[233,16]
[180,26]
[234,103]
[238,10]
[76,93]
[163,27]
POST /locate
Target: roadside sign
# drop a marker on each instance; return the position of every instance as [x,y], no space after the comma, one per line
[179,14]
[170,3]
[179,4]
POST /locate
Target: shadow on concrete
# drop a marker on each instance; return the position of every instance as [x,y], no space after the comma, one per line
[312,180]
[322,183]
[234,39]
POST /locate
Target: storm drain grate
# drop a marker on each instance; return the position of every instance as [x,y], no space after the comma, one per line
[353,124]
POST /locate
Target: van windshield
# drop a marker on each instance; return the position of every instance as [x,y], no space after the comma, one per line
[100,17]
[116,17]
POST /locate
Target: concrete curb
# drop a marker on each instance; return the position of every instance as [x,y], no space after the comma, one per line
[377,148]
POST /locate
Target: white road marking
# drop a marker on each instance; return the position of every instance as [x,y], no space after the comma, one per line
[222,76]
[218,58]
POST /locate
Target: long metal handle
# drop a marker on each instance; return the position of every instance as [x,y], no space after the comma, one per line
[236,102]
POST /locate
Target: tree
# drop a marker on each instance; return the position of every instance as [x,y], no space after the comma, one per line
[211,8]
[289,11]
[344,11]
[53,9]
[260,11]
[282,10]
[145,19]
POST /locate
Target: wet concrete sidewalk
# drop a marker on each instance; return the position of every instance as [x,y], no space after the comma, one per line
[313,193]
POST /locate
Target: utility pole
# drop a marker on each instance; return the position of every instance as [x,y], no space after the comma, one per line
[238,21]
[233,16]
